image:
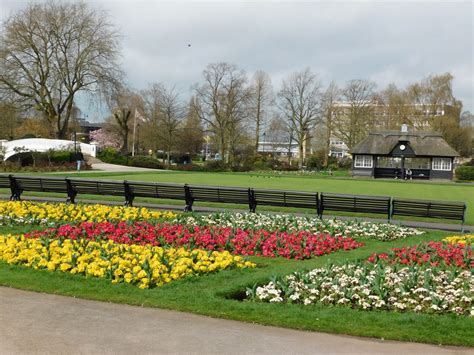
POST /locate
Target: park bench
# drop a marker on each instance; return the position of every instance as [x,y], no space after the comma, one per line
[222,194]
[282,198]
[36,184]
[154,190]
[429,209]
[354,203]
[5,183]
[94,187]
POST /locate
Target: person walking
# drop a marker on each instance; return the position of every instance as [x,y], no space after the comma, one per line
[79,159]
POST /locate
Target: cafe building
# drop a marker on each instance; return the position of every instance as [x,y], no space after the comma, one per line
[403,154]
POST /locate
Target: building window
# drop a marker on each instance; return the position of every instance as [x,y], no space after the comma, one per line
[442,164]
[417,163]
[363,161]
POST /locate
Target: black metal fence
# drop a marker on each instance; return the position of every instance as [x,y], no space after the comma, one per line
[320,202]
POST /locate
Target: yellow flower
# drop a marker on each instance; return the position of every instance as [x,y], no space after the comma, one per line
[460,239]
[35,212]
[98,259]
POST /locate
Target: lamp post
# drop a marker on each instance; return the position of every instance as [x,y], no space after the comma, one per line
[75,143]
[264,141]
[207,138]
[138,139]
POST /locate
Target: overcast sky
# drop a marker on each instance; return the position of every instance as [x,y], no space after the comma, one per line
[386,42]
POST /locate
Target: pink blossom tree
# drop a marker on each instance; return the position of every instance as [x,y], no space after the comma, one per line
[105,139]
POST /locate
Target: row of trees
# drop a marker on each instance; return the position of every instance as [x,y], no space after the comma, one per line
[50,52]
[234,110]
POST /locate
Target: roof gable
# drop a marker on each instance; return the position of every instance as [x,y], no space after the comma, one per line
[422,144]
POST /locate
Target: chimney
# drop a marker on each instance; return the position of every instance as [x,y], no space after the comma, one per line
[404,128]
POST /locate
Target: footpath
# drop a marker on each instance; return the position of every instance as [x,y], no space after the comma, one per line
[455,228]
[39,323]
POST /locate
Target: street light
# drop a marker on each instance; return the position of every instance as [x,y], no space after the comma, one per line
[75,143]
[138,138]
[264,141]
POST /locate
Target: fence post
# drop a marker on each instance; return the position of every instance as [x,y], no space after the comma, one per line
[129,197]
[189,199]
[71,193]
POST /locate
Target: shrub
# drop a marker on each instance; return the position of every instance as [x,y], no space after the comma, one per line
[344,163]
[112,156]
[143,161]
[215,165]
[465,173]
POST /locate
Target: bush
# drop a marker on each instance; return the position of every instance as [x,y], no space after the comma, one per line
[215,165]
[315,161]
[112,156]
[12,167]
[61,156]
[465,173]
[143,161]
[344,163]
[49,158]
[186,167]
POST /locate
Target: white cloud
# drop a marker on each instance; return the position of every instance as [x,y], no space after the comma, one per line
[387,42]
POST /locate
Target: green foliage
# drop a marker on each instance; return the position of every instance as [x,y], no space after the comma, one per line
[112,156]
[465,173]
[144,161]
[215,165]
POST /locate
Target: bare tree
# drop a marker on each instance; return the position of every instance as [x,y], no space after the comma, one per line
[171,116]
[191,137]
[300,102]
[261,97]
[51,51]
[330,99]
[223,99]
[396,107]
[355,117]
[124,106]
[433,98]
[8,120]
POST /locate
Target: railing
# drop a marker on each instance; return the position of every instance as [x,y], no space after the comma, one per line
[319,202]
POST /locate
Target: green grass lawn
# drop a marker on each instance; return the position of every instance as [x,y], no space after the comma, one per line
[413,189]
[214,295]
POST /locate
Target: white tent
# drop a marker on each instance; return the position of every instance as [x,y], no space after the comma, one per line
[43,145]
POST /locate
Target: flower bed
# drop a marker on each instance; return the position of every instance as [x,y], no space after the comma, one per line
[289,223]
[460,239]
[299,245]
[14,212]
[142,265]
[429,253]
[371,286]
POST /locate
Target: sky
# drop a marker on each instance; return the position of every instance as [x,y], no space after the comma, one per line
[387,42]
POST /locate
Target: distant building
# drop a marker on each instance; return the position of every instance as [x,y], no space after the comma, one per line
[337,148]
[87,127]
[393,154]
[279,149]
[386,117]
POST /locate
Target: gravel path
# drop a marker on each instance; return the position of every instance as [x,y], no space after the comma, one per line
[40,323]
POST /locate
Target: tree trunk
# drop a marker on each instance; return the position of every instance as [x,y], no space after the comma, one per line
[300,158]
[257,136]
[124,148]
[222,150]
